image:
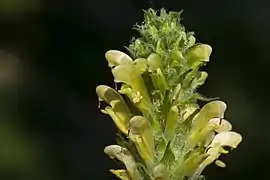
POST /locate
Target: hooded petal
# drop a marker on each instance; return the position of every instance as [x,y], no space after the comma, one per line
[123,155]
[143,139]
[198,54]
[214,124]
[127,72]
[154,62]
[116,58]
[214,109]
[200,125]
[119,110]
[110,96]
[131,77]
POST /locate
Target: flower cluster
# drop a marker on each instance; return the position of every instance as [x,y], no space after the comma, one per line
[164,134]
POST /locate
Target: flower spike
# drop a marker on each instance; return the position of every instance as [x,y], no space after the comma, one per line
[164,133]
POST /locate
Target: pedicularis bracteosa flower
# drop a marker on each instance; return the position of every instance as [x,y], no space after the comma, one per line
[163,133]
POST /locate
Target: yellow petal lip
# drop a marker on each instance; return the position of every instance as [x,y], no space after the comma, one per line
[115,58]
[120,121]
[108,94]
[220,124]
[227,138]
[121,174]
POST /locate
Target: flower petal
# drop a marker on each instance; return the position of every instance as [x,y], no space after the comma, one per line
[198,54]
[143,139]
[121,174]
[109,95]
[136,98]
[215,149]
[191,163]
[131,77]
[199,79]
[123,155]
[227,138]
[119,110]
[141,65]
[154,62]
[120,123]
[210,110]
[200,125]
[115,58]
[220,124]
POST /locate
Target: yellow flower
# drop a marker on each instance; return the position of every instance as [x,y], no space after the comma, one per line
[142,135]
[123,155]
[118,109]
[215,149]
[202,124]
[128,72]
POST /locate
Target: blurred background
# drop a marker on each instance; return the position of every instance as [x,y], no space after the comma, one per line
[52,58]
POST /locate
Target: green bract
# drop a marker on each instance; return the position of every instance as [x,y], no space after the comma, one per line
[164,134]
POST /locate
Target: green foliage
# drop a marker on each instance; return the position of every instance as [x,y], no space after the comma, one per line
[169,136]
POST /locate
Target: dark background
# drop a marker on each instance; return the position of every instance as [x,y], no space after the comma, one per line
[50,126]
